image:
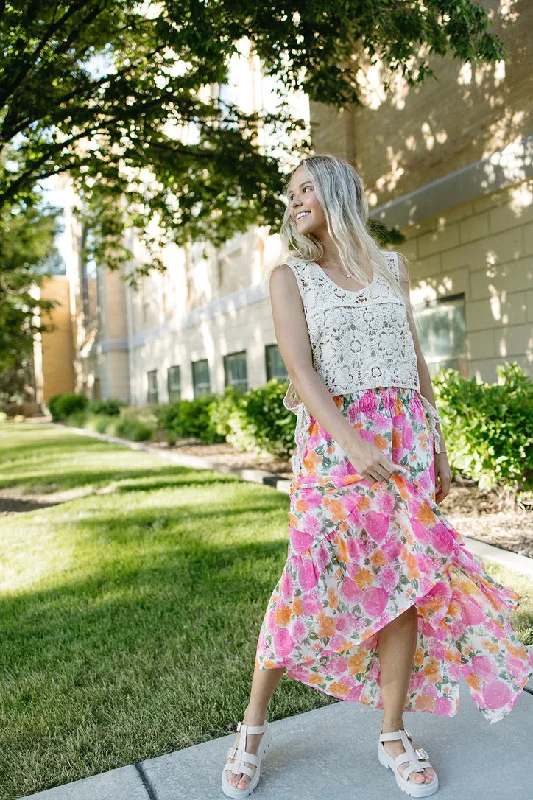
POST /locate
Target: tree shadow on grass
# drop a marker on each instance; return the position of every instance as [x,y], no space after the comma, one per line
[131,660]
[62,442]
[46,481]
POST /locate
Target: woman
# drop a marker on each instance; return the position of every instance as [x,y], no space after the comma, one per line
[379,601]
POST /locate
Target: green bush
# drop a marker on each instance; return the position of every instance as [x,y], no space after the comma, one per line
[78,419]
[101,423]
[185,418]
[106,408]
[62,406]
[53,406]
[258,420]
[225,410]
[488,428]
[130,427]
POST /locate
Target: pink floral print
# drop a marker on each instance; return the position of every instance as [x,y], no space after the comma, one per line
[361,553]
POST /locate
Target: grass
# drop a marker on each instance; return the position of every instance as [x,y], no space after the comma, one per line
[130,619]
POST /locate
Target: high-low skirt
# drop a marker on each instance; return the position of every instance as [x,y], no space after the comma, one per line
[362,553]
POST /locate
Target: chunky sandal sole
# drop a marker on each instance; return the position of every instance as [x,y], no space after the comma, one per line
[233,791]
[407,786]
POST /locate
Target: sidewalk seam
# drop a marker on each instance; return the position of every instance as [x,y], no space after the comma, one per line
[150,791]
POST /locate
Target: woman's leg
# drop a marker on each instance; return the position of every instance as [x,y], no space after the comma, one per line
[264,684]
[397,643]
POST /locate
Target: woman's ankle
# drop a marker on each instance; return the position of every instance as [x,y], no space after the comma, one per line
[391,725]
[255,715]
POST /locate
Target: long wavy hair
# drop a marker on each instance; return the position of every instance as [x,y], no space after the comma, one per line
[340,192]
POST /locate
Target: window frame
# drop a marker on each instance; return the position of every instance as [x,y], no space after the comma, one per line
[269,348]
[171,392]
[150,394]
[241,385]
[195,385]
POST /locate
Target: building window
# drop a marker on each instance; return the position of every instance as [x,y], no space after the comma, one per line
[275,368]
[153,393]
[174,384]
[200,377]
[236,371]
[441,328]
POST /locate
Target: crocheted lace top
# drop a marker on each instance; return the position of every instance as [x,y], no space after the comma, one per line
[359,340]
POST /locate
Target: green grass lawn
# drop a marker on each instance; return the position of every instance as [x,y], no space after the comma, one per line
[130,619]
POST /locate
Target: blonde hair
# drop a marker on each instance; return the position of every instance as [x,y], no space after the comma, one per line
[340,192]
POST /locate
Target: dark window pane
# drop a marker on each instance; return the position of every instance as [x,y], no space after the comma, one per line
[153,393]
[441,327]
[236,370]
[200,377]
[275,367]
[174,384]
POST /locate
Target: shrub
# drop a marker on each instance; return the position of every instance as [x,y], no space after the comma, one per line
[62,406]
[107,408]
[101,423]
[185,418]
[488,428]
[130,427]
[53,406]
[258,420]
[225,410]
[78,419]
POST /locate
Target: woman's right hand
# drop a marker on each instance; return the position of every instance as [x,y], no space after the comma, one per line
[370,462]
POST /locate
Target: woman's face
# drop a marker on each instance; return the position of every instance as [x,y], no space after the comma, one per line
[304,205]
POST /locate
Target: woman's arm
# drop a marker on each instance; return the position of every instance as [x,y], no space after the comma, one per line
[295,348]
[293,341]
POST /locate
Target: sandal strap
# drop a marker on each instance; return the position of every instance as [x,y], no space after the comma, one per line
[252,728]
[240,754]
[411,756]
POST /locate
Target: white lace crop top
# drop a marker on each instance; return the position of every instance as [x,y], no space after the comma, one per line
[359,340]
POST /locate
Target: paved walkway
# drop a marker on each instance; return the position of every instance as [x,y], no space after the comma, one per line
[330,754]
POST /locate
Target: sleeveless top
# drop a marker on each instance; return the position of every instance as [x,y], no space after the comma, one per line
[359,340]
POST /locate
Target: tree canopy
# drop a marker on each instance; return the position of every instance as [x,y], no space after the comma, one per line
[116,93]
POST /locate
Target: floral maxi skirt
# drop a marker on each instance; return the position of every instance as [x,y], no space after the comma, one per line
[361,553]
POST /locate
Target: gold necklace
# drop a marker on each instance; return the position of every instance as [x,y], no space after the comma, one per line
[333,264]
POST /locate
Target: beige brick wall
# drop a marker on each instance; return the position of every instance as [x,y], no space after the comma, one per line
[414,136]
[483,249]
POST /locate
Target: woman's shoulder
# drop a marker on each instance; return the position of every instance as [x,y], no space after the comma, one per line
[289,267]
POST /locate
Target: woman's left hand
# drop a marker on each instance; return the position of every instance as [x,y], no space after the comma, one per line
[443,476]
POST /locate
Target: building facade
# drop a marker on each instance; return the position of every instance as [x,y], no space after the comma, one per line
[448,163]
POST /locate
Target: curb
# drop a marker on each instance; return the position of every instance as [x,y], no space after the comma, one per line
[504,558]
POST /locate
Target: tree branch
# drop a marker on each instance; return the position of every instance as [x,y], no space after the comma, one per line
[29,63]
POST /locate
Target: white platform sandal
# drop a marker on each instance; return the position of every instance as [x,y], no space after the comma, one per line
[241,757]
[418,761]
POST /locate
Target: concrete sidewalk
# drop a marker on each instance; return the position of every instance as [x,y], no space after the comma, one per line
[330,754]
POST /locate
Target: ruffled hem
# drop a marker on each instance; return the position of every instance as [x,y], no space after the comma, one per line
[463,614]
[361,554]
